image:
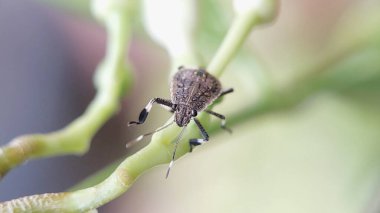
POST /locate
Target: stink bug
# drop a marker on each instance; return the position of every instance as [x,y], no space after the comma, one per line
[192,91]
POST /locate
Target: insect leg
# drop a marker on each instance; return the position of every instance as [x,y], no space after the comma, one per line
[175,151]
[226,92]
[198,141]
[222,117]
[144,113]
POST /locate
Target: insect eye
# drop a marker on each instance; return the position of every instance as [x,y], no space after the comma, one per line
[194,113]
[174,106]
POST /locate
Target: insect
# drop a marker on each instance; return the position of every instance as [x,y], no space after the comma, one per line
[192,91]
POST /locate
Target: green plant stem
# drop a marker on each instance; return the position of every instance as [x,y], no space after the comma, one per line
[235,38]
[112,78]
[90,198]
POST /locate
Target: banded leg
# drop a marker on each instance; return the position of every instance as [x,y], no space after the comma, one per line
[144,113]
[222,117]
[226,92]
[198,141]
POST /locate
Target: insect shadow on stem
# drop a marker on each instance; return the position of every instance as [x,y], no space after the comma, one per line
[192,91]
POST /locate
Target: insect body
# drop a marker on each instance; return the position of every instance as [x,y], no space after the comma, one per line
[192,90]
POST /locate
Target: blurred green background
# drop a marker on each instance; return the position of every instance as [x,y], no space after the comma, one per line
[318,154]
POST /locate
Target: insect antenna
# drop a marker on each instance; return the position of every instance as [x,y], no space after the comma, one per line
[175,150]
[139,138]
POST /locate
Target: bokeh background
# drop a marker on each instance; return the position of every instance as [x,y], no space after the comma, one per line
[321,155]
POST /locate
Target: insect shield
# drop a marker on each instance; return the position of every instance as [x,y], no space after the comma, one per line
[192,91]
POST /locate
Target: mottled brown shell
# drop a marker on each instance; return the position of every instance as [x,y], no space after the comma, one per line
[194,88]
